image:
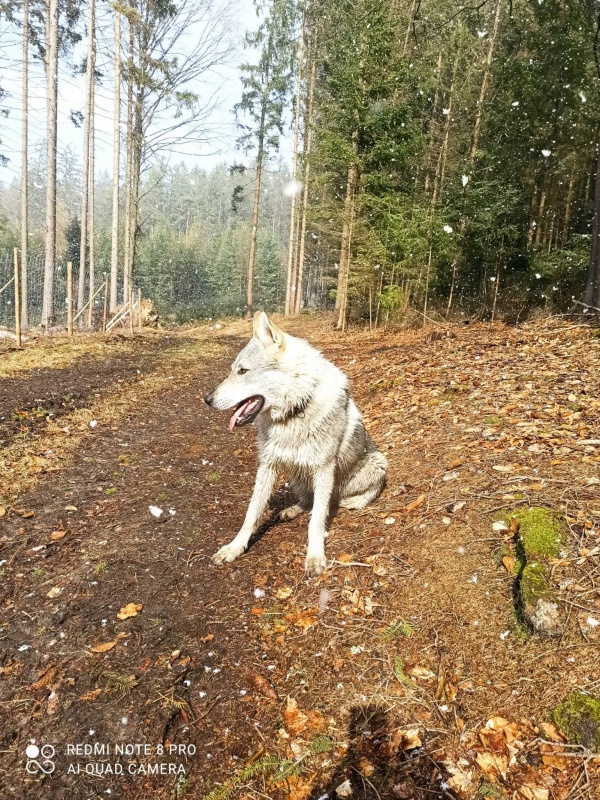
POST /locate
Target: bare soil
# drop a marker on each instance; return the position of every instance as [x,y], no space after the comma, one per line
[402,672]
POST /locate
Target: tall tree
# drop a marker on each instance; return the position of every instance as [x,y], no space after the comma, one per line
[87,127]
[51,64]
[266,88]
[24,169]
[114,249]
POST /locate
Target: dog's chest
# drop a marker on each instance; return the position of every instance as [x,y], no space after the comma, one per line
[290,446]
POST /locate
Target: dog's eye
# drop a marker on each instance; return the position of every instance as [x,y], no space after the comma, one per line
[242,371]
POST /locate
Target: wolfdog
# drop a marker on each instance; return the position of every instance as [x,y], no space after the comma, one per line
[308,427]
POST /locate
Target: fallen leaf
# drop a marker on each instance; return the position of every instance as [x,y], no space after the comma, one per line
[534,792]
[509,563]
[70,508]
[56,535]
[294,720]
[54,592]
[283,593]
[104,647]
[404,739]
[416,503]
[2,511]
[422,674]
[130,610]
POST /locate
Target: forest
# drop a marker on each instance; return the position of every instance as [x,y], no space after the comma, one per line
[444,161]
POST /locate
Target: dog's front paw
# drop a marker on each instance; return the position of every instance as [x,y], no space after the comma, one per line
[315,563]
[227,553]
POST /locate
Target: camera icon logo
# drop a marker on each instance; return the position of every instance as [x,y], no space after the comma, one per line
[39,759]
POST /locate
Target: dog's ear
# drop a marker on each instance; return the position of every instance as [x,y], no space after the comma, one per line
[267,333]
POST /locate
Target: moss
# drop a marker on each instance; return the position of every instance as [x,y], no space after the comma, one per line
[539,532]
[578,716]
[595,333]
[533,584]
[492,419]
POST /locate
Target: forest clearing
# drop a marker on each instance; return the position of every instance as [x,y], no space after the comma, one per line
[414,667]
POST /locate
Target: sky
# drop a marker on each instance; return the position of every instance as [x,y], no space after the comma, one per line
[223,82]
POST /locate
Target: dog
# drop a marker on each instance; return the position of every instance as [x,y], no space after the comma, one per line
[308,427]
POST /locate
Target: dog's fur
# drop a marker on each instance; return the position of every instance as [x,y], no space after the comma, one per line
[308,427]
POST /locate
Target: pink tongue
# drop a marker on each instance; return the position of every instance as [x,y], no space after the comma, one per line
[237,413]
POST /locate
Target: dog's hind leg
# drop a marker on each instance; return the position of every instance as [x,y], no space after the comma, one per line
[305,501]
[367,482]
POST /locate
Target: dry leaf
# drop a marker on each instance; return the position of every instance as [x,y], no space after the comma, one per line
[130,610]
[70,508]
[534,792]
[104,647]
[405,739]
[2,511]
[54,592]
[416,503]
[509,563]
[294,720]
[283,593]
[56,535]
[422,674]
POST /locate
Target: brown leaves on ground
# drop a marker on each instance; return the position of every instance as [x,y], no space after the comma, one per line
[504,752]
[297,721]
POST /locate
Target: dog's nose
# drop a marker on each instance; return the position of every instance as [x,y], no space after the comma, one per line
[208,399]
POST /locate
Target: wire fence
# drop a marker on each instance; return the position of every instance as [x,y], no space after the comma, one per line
[35,291]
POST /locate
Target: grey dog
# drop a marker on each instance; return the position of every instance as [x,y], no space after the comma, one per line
[308,427]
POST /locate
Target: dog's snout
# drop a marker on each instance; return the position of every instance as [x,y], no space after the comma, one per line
[208,399]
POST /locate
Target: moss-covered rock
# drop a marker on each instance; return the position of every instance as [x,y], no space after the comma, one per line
[538,538]
[540,533]
[578,716]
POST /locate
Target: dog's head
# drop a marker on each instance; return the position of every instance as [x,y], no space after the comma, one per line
[260,379]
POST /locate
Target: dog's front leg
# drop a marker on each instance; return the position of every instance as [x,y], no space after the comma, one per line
[323,489]
[266,477]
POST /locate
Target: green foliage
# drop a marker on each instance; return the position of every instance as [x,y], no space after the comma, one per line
[578,716]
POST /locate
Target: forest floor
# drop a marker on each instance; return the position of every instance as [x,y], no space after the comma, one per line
[404,671]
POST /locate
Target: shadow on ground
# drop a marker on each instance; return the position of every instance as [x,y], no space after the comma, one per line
[370,770]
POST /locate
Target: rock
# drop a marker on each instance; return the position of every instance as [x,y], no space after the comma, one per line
[578,716]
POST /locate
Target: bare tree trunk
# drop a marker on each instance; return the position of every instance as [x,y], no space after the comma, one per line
[24,170]
[484,83]
[256,202]
[289,296]
[409,27]
[592,288]
[540,219]
[83,247]
[114,247]
[52,110]
[568,205]
[90,223]
[128,164]
[308,137]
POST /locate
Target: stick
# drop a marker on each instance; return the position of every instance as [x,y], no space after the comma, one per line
[586,305]
[131,329]
[140,309]
[6,285]
[70,299]
[79,313]
[118,317]
[105,309]
[17,300]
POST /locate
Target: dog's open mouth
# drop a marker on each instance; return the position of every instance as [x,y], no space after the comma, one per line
[246,411]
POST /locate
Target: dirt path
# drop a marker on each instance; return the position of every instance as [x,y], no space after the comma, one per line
[410,638]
